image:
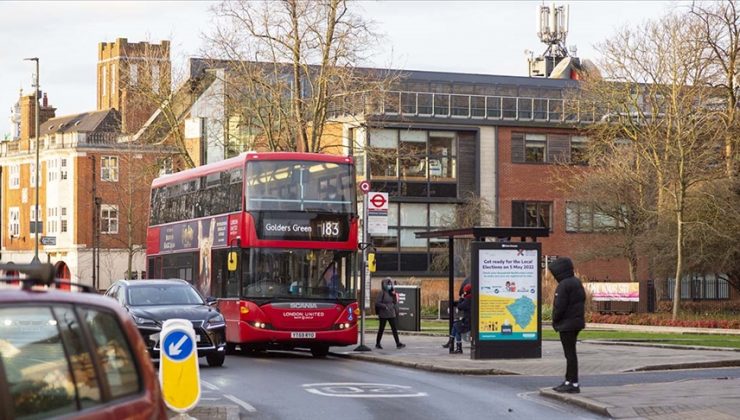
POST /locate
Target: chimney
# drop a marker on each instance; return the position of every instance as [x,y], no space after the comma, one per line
[28,115]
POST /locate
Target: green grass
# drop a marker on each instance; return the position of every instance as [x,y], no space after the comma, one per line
[709,340]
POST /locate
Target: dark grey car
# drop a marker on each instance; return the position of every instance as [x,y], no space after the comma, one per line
[151,302]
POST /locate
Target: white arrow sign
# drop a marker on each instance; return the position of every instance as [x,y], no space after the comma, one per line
[175,348]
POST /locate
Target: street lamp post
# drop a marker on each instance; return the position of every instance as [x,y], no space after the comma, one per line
[36,205]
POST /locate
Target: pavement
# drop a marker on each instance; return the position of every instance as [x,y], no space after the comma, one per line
[705,399]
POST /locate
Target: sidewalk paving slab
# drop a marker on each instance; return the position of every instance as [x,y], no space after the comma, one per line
[705,399]
[701,399]
[426,353]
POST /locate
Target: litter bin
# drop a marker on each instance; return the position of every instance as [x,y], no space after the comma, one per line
[409,308]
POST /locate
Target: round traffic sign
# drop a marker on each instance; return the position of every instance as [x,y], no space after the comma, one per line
[177,345]
[365,186]
[377,200]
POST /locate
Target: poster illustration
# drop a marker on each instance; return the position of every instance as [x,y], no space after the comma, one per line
[508,294]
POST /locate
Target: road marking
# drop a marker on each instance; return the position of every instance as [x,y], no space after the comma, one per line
[209,385]
[362,390]
[245,405]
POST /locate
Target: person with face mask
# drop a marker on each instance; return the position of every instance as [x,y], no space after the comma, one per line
[386,306]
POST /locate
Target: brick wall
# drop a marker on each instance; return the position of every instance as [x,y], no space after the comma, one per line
[536,182]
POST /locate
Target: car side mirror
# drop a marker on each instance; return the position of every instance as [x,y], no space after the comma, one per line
[211,301]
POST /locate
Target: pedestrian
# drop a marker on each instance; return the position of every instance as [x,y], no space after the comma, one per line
[462,325]
[460,294]
[568,318]
[386,306]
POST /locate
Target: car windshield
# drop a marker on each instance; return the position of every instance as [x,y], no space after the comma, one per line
[166,294]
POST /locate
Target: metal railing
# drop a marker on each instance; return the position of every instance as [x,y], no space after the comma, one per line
[471,107]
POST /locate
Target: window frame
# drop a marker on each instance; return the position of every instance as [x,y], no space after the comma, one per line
[15,177]
[14,226]
[525,204]
[108,219]
[108,171]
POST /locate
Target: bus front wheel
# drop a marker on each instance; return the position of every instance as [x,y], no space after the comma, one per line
[320,351]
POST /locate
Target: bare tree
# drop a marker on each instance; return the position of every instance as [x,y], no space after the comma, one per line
[290,66]
[655,97]
[130,193]
[718,28]
[472,212]
[614,196]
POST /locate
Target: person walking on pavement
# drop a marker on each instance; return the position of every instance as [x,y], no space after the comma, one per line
[568,318]
[386,306]
[460,293]
[462,325]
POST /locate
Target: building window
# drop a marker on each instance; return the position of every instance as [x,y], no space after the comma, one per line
[108,218]
[534,147]
[580,217]
[15,177]
[400,250]
[578,150]
[32,175]
[133,74]
[63,169]
[35,221]
[14,221]
[531,214]
[63,220]
[109,168]
[414,163]
[155,78]
[51,173]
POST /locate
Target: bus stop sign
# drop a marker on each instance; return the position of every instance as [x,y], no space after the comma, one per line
[178,366]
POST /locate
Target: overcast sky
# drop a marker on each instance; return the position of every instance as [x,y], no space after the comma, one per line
[467,37]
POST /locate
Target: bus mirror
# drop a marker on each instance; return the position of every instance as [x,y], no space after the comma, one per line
[233,260]
[371,261]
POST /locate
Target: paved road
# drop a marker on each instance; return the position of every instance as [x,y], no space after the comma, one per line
[293,385]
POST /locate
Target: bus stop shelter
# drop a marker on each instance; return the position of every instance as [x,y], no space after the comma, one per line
[480,234]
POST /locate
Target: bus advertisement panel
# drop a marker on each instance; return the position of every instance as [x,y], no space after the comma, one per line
[272,236]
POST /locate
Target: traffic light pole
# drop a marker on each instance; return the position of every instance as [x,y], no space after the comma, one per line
[363,275]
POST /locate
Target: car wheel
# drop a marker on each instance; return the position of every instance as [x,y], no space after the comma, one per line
[320,351]
[216,359]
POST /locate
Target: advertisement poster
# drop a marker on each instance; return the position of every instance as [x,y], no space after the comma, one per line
[614,292]
[508,294]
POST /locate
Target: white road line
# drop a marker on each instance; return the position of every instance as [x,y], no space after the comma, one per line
[209,385]
[243,404]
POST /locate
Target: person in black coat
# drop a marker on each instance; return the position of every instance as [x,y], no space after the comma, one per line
[461,294]
[568,318]
[386,306]
[462,325]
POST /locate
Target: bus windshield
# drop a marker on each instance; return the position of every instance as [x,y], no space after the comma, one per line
[292,273]
[299,186]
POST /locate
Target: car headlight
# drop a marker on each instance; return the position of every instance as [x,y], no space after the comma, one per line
[216,322]
[145,322]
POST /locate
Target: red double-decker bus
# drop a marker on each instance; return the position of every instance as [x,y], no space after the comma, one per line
[272,236]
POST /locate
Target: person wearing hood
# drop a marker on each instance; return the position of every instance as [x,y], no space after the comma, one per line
[462,325]
[386,306]
[568,318]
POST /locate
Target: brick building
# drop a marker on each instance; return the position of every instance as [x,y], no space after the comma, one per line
[82,157]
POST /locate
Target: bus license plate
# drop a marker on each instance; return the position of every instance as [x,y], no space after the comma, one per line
[303,335]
